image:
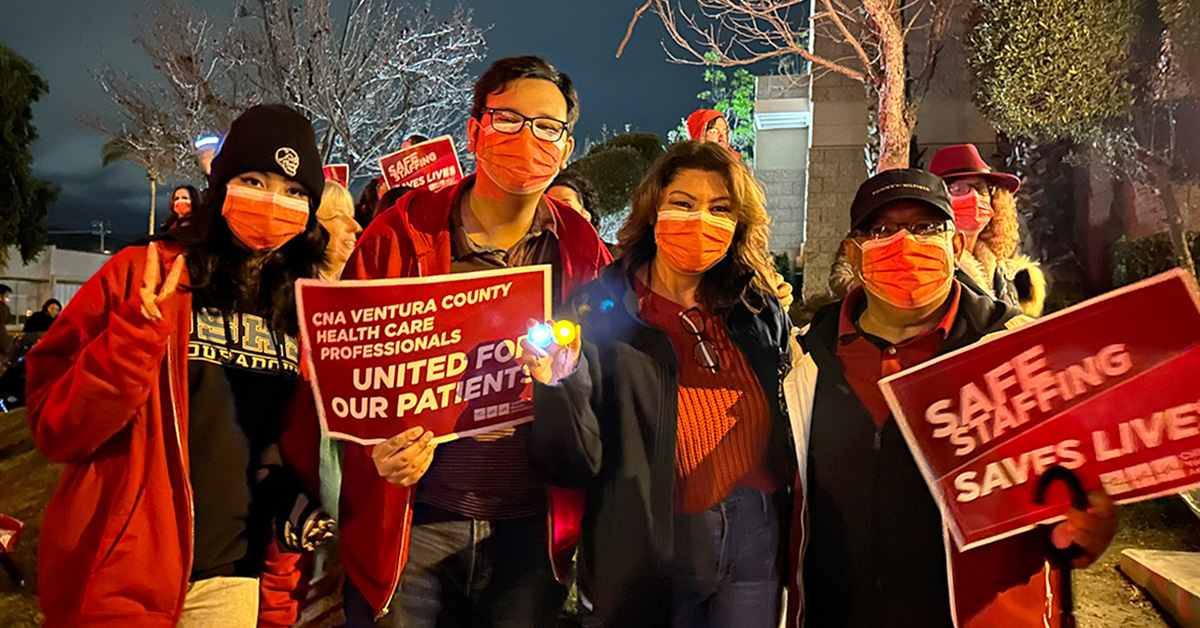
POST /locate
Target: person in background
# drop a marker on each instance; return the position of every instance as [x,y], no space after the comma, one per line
[410,514]
[182,200]
[872,550]
[40,321]
[5,315]
[710,125]
[365,209]
[576,192]
[985,211]
[391,198]
[336,215]
[671,417]
[986,214]
[162,385]
[412,140]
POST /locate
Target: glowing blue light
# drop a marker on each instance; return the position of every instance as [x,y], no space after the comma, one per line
[541,335]
[206,141]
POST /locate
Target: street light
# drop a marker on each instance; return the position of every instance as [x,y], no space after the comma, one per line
[206,149]
[206,141]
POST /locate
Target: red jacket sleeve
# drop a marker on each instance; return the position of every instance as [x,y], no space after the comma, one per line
[279,586]
[92,373]
[300,442]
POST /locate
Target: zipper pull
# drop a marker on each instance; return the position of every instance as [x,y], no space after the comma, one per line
[878,440]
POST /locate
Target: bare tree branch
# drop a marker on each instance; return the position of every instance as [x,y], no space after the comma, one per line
[387,71]
[850,39]
[629,31]
[732,33]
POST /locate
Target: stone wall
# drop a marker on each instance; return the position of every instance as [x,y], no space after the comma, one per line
[781,158]
[835,172]
[785,204]
[835,166]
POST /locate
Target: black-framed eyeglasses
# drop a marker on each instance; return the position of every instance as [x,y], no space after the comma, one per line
[510,122]
[962,188]
[883,230]
[705,352]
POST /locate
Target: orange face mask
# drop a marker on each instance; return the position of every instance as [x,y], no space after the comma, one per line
[263,221]
[517,164]
[182,206]
[693,242]
[907,271]
[972,212]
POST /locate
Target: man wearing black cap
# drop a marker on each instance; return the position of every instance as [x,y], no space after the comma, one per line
[873,550]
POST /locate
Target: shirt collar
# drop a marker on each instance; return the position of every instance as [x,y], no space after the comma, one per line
[855,304]
[544,220]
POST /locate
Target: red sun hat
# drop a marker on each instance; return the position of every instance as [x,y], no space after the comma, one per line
[963,160]
[698,122]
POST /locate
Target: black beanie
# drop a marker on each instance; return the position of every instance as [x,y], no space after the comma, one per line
[270,138]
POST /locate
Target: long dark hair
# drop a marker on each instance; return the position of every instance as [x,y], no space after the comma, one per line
[223,273]
[746,265]
[174,220]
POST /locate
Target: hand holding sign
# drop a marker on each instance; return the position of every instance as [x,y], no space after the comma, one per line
[551,359]
[1092,529]
[1106,389]
[404,458]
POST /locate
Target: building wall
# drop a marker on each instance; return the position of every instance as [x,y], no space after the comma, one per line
[835,166]
[54,274]
[781,158]
[785,203]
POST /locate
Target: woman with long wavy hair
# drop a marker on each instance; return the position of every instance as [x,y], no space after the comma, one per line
[667,412]
[162,386]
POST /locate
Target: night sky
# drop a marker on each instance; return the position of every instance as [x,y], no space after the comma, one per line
[67,39]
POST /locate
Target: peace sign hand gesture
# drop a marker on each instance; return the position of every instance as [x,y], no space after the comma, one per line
[151,295]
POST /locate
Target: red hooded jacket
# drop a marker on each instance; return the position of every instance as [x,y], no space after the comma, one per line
[108,396]
[412,239]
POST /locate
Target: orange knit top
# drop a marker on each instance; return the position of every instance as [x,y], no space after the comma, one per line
[724,422]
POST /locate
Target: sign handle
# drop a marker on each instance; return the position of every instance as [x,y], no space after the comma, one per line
[1062,557]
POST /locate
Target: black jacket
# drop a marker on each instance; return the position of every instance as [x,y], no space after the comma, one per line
[610,429]
[875,552]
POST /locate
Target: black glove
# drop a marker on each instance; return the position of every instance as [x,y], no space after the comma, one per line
[300,524]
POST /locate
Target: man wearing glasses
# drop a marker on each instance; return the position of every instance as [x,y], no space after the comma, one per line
[460,536]
[873,552]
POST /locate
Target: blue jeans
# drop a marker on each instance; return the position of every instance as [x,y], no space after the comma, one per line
[468,573]
[726,570]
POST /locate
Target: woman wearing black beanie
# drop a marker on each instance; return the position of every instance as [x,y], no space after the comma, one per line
[163,385]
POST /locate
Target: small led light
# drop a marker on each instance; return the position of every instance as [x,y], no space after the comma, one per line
[564,332]
[541,335]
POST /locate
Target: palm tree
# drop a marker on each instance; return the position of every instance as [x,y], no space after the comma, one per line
[120,148]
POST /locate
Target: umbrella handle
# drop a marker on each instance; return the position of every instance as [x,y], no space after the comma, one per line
[1079,500]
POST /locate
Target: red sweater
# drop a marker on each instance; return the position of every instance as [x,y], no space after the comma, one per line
[724,422]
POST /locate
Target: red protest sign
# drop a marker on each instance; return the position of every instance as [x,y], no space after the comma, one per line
[339,173]
[1109,388]
[440,352]
[433,165]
